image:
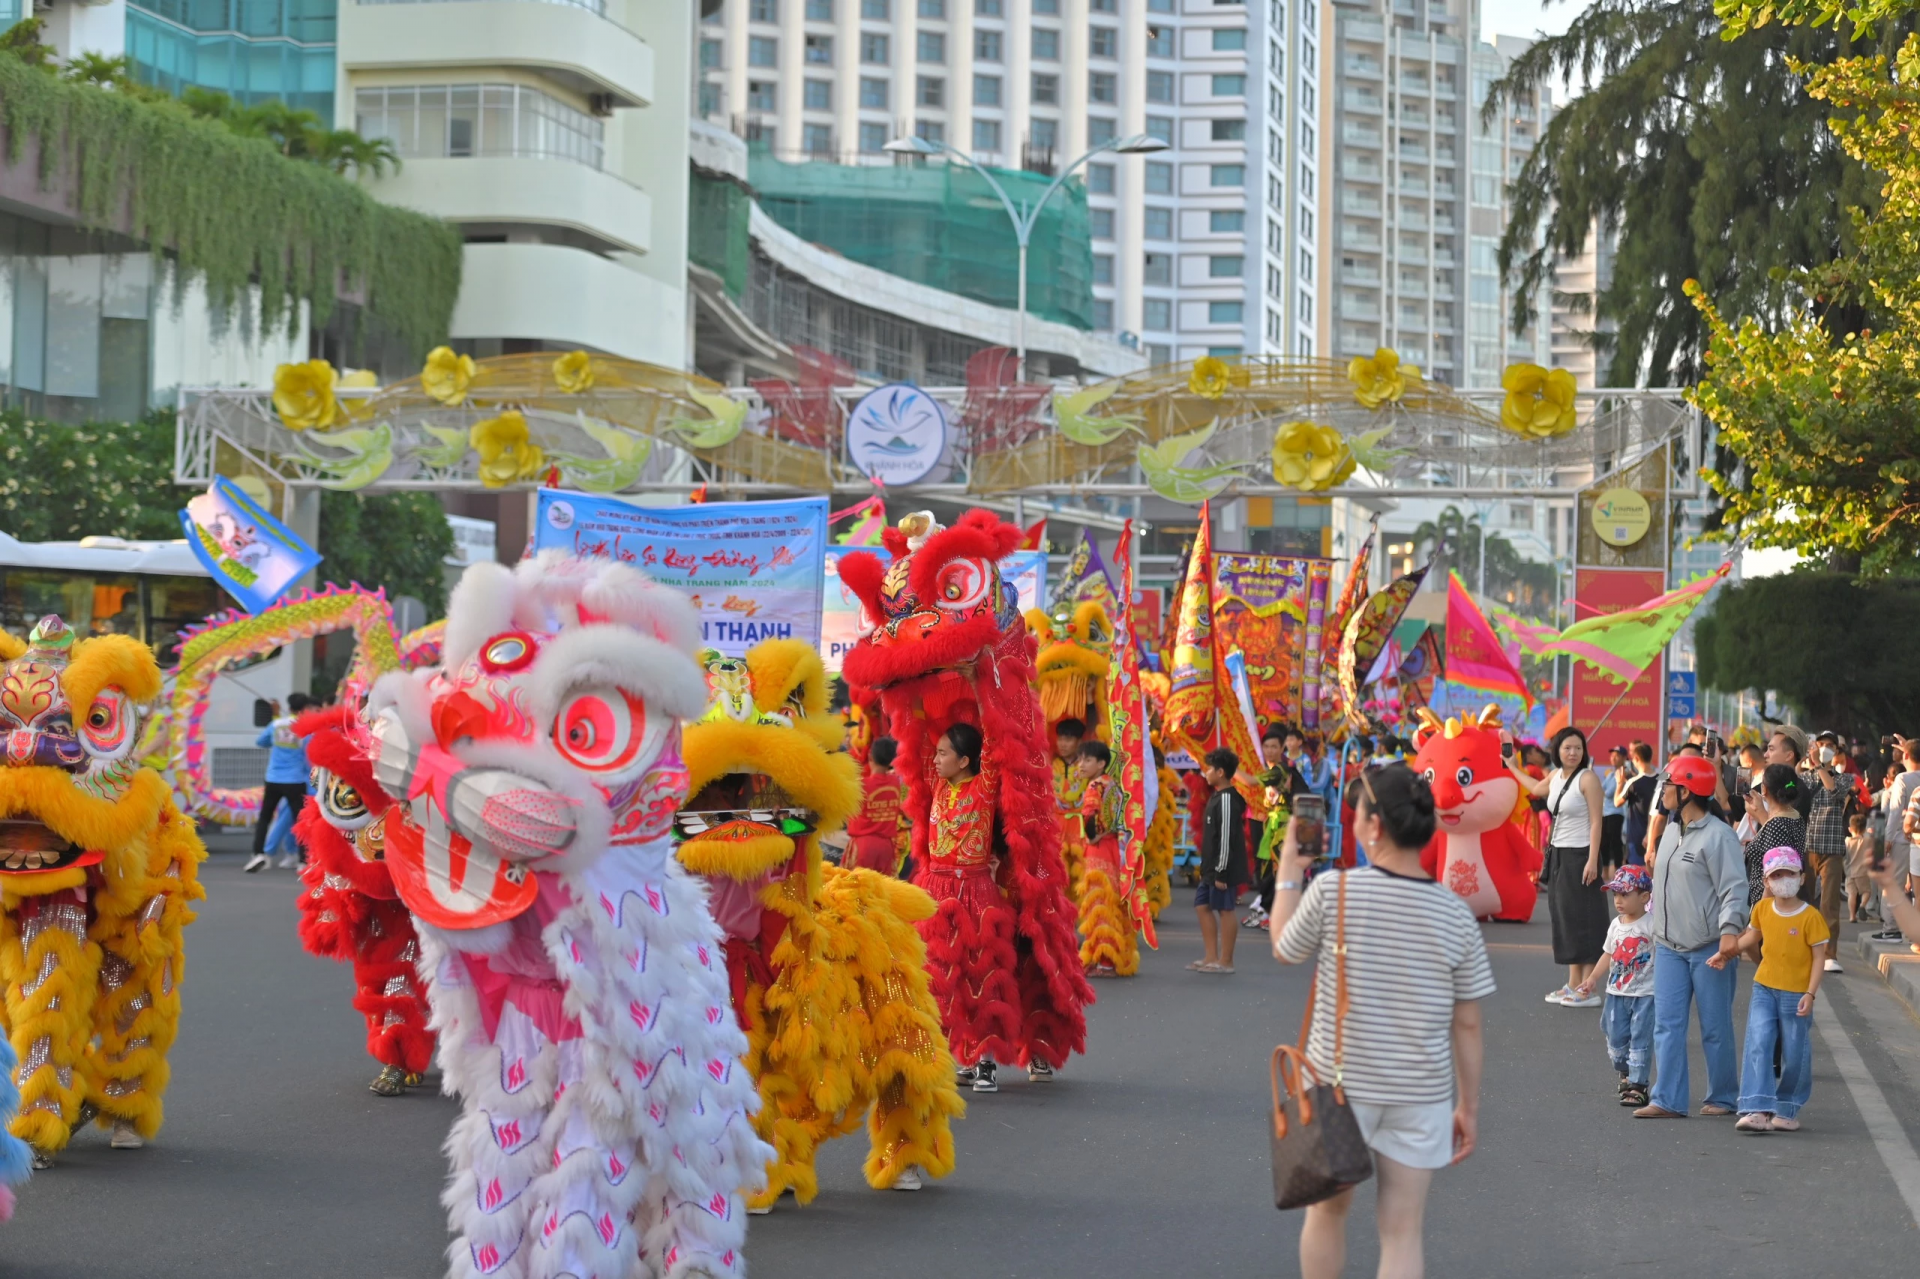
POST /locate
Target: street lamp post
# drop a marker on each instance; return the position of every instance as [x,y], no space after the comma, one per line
[1023,223]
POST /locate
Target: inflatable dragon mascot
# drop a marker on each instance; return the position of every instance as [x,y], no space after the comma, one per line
[98,871]
[829,977]
[1478,849]
[576,978]
[948,646]
[350,910]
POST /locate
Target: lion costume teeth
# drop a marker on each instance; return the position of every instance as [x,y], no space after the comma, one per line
[96,878]
[829,977]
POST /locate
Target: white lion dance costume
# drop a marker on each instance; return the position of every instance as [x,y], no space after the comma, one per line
[577,979]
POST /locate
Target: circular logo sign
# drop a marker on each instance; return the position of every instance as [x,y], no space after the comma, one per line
[896,434]
[1621,517]
[560,515]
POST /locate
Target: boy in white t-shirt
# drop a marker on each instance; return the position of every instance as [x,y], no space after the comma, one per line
[1627,1016]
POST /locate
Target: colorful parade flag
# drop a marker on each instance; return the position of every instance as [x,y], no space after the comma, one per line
[1475,659]
[252,556]
[865,530]
[1620,646]
[1190,701]
[1354,591]
[1035,538]
[1367,632]
[1085,578]
[1136,777]
[1531,636]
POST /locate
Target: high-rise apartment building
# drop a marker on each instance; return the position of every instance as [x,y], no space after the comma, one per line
[1416,202]
[1188,243]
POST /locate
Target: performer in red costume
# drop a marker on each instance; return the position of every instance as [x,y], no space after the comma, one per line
[1480,849]
[949,649]
[350,911]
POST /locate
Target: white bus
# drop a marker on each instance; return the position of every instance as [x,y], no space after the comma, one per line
[152,591]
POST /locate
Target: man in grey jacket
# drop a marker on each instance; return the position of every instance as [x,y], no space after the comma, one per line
[1699,911]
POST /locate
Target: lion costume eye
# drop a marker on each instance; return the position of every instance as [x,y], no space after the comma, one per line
[340,803]
[962,584]
[107,731]
[607,730]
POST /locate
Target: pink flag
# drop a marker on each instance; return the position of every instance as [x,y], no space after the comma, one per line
[1475,657]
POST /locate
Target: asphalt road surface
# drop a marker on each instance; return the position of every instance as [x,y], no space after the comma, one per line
[1148,1157]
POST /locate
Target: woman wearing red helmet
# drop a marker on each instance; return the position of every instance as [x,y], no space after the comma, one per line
[1699,911]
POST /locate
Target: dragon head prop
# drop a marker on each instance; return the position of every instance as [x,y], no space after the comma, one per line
[939,604]
[1461,760]
[347,798]
[765,768]
[73,794]
[550,735]
[1076,654]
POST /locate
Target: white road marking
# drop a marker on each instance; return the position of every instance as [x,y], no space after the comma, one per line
[1889,1138]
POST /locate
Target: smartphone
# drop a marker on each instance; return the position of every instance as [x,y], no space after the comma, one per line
[1310,826]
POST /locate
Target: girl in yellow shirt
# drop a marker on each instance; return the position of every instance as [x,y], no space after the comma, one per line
[1789,940]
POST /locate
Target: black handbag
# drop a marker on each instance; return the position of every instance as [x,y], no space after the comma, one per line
[1318,1149]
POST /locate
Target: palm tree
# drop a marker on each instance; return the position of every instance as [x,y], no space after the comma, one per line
[344,151]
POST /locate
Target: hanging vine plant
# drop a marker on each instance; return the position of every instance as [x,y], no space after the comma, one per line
[230,210]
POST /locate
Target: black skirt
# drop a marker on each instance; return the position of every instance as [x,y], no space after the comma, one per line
[1578,910]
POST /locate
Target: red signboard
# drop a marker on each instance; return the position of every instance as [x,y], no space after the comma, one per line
[1641,713]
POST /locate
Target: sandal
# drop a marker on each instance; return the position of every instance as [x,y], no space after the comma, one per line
[1220,968]
[1199,966]
[1633,1095]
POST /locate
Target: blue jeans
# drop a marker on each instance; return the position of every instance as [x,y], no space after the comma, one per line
[1773,1015]
[1680,978]
[1628,1023]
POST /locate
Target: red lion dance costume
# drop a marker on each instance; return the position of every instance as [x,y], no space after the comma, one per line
[350,910]
[1478,849]
[950,646]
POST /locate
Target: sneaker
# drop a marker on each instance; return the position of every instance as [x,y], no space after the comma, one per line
[1576,1000]
[1754,1121]
[1038,1072]
[1887,934]
[1560,996]
[966,1075]
[1833,966]
[985,1080]
[761,1211]
[125,1137]
[288,861]
[255,862]
[908,1179]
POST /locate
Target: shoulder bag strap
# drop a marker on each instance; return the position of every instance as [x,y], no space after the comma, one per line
[1340,991]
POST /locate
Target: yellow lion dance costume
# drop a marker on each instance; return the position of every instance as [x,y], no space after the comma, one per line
[97,870]
[1071,669]
[829,975]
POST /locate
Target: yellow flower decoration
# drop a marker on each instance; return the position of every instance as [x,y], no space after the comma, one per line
[303,395]
[447,376]
[507,455]
[1308,455]
[1539,403]
[1213,377]
[361,379]
[1382,379]
[574,372]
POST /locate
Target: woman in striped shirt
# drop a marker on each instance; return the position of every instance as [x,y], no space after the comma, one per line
[1410,1043]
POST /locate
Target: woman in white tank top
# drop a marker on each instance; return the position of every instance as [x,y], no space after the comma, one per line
[1576,902]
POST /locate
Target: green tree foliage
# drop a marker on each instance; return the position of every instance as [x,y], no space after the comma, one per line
[1839,650]
[296,133]
[395,541]
[1523,585]
[60,482]
[222,200]
[1707,157]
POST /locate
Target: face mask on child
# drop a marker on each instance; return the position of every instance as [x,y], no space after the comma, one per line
[1784,885]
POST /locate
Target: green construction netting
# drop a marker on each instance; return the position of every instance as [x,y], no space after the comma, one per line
[717,218]
[940,225]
